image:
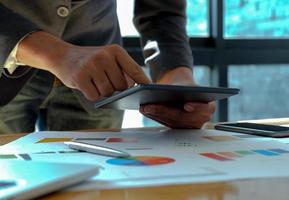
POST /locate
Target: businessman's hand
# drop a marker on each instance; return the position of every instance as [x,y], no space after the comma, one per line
[95,71]
[99,71]
[193,114]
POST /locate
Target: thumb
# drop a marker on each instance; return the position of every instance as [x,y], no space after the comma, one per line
[189,107]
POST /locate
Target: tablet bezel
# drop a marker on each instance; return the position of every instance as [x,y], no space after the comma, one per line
[136,95]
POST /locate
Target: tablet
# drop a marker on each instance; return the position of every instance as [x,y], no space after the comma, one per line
[173,95]
[30,179]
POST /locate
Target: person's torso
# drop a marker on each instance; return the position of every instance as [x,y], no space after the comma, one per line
[81,22]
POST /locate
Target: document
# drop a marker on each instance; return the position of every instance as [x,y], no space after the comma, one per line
[160,157]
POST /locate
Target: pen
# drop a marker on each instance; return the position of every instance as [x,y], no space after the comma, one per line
[101,150]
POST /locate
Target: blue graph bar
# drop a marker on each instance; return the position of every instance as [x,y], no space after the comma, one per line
[266,152]
[279,150]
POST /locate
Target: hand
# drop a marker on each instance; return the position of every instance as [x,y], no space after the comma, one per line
[193,114]
[99,71]
[96,71]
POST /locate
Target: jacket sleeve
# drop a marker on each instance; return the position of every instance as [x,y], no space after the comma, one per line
[162,26]
[13,27]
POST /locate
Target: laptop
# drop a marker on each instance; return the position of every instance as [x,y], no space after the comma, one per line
[30,179]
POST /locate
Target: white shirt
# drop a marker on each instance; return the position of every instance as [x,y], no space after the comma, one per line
[11,62]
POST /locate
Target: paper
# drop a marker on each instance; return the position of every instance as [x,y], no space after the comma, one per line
[161,157]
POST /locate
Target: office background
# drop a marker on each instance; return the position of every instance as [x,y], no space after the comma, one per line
[235,43]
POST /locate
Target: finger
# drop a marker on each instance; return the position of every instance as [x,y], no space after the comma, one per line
[176,117]
[175,124]
[116,77]
[130,82]
[195,106]
[162,110]
[129,66]
[103,84]
[212,106]
[87,87]
[189,107]
[161,121]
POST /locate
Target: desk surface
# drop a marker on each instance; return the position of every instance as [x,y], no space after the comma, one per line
[257,189]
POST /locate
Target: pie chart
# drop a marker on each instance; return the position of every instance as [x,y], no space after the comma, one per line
[141,161]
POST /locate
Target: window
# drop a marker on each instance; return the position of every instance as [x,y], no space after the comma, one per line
[202,75]
[256,18]
[254,36]
[197,20]
[125,15]
[264,91]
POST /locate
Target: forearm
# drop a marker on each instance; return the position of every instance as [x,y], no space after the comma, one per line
[42,50]
[96,71]
[164,23]
[180,75]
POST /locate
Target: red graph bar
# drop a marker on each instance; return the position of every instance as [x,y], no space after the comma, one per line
[215,156]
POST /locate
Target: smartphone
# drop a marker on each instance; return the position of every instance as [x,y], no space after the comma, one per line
[274,131]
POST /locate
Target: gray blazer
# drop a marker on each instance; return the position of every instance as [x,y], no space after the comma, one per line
[93,22]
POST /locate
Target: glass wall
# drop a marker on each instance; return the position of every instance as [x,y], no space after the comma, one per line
[125,15]
[197,18]
[256,18]
[263,87]
[264,91]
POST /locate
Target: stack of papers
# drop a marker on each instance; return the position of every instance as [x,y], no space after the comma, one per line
[160,157]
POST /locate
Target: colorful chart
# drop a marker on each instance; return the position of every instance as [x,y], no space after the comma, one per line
[49,140]
[184,144]
[93,139]
[230,156]
[7,156]
[122,140]
[27,157]
[141,161]
[221,138]
[138,148]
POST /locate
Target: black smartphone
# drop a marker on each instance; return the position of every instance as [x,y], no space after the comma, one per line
[274,131]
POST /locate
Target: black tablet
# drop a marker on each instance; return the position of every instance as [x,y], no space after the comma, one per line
[174,95]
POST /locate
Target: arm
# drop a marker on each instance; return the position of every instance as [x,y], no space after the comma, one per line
[167,52]
[95,71]
[163,35]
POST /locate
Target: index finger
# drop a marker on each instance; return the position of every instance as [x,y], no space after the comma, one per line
[130,67]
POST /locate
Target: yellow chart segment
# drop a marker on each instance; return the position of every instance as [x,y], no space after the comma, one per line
[49,140]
